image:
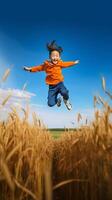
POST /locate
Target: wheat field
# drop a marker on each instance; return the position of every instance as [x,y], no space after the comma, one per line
[75,166]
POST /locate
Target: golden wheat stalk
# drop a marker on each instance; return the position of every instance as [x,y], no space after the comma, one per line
[6,74]
[68,181]
[95,101]
[108,93]
[48,183]
[104,88]
[26,112]
[79,117]
[101,100]
[24,86]
[13,152]
[7,175]
[6,99]
[25,189]
[103,83]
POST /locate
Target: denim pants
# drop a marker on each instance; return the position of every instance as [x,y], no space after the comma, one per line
[53,92]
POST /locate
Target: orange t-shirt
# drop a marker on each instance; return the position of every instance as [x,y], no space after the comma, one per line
[53,71]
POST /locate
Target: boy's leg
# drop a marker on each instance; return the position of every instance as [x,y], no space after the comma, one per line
[52,96]
[65,93]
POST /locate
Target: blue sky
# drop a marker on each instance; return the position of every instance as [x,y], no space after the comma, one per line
[82,28]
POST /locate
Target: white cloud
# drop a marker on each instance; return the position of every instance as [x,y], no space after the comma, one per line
[52,117]
[18,99]
[16,93]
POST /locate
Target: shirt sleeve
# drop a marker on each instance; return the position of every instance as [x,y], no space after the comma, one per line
[38,68]
[67,64]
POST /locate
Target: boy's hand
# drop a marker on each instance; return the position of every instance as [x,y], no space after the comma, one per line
[27,68]
[77,61]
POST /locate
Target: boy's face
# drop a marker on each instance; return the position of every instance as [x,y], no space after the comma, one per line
[55,57]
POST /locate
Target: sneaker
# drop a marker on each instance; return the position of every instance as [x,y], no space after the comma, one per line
[59,102]
[68,104]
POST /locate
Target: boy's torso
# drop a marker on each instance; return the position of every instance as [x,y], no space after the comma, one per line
[54,73]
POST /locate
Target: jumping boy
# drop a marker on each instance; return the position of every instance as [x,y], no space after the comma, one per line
[53,68]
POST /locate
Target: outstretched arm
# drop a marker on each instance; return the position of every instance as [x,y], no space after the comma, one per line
[35,68]
[69,63]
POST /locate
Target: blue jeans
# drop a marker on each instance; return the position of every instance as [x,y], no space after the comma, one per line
[53,92]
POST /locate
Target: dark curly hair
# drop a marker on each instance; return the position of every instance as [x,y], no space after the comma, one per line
[53,46]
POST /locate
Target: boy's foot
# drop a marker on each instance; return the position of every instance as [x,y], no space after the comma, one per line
[68,104]
[59,102]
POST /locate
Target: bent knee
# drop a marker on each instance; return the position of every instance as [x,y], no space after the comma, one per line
[65,94]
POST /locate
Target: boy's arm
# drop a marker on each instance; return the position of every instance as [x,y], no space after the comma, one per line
[69,63]
[35,68]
